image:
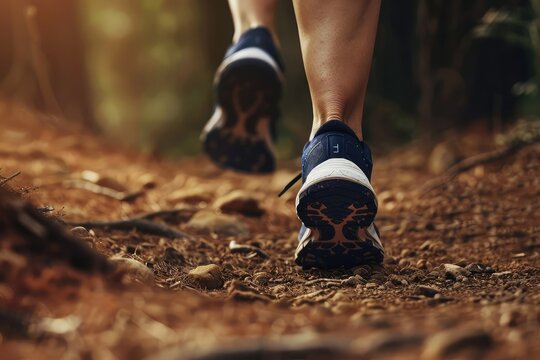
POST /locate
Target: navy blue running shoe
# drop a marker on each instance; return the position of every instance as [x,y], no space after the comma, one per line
[336,202]
[248,83]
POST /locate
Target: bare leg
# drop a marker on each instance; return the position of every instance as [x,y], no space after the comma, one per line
[337,39]
[252,13]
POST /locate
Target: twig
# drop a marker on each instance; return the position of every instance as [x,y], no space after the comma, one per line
[102,190]
[142,225]
[47,238]
[470,163]
[177,212]
[238,248]
[5,180]
[325,281]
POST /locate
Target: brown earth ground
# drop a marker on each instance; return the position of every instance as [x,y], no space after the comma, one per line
[486,220]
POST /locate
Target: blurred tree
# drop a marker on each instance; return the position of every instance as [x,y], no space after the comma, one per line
[43,59]
[437,65]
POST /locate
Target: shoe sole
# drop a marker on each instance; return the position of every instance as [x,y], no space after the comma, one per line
[248,92]
[338,208]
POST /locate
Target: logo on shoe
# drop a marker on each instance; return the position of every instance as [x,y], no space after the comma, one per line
[336,143]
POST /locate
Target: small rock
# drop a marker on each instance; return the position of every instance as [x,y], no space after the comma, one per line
[173,257]
[218,223]
[443,156]
[105,181]
[421,264]
[239,291]
[240,202]
[502,274]
[453,341]
[426,245]
[206,276]
[261,278]
[453,271]
[461,262]
[363,271]
[405,253]
[353,281]
[395,280]
[404,262]
[134,269]
[478,268]
[80,232]
[428,291]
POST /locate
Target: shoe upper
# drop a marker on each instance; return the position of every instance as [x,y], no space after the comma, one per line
[261,38]
[336,140]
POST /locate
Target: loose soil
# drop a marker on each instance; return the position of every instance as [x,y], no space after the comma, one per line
[460,278]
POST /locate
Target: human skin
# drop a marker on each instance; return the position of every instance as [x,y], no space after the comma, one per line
[247,14]
[337,39]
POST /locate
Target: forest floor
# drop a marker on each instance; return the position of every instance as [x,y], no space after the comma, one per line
[460,279]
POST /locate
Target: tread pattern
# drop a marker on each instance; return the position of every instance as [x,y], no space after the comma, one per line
[338,212]
[248,92]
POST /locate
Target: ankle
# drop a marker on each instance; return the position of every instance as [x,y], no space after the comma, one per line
[248,25]
[354,125]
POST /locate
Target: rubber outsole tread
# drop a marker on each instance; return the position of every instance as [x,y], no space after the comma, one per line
[337,211]
[247,91]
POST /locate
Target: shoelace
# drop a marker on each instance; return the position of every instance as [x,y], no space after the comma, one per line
[290,184]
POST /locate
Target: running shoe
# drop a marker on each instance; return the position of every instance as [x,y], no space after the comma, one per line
[248,84]
[336,203]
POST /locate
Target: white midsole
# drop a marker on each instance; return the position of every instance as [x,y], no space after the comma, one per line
[337,168]
[251,53]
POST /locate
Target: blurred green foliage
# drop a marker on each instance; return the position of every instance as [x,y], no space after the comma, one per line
[152,62]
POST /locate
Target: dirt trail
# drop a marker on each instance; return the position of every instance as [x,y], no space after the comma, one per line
[461,276]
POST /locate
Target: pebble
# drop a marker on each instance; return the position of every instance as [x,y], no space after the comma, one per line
[206,276]
[353,281]
[502,274]
[428,291]
[426,245]
[421,264]
[240,202]
[404,262]
[453,271]
[407,253]
[452,341]
[80,232]
[478,268]
[363,271]
[443,156]
[173,257]
[461,262]
[261,278]
[135,270]
[220,224]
